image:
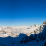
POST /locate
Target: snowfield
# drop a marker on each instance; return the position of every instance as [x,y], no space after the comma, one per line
[23,35]
[16,30]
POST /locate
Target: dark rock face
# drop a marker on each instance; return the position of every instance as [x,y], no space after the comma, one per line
[45,44]
[28,39]
[24,40]
[38,37]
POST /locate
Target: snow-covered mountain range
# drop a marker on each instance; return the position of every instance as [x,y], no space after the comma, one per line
[23,35]
[16,30]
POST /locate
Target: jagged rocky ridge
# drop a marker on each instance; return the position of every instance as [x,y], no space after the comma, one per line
[38,37]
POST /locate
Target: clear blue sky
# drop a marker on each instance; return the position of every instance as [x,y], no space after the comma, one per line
[22,12]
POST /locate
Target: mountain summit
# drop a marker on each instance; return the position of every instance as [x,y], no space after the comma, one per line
[44,22]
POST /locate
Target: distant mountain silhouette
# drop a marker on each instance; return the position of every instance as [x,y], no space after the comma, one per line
[45,44]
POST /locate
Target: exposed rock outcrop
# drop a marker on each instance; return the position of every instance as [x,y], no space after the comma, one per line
[44,22]
[38,37]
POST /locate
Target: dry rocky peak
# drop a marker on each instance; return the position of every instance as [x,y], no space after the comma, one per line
[44,22]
